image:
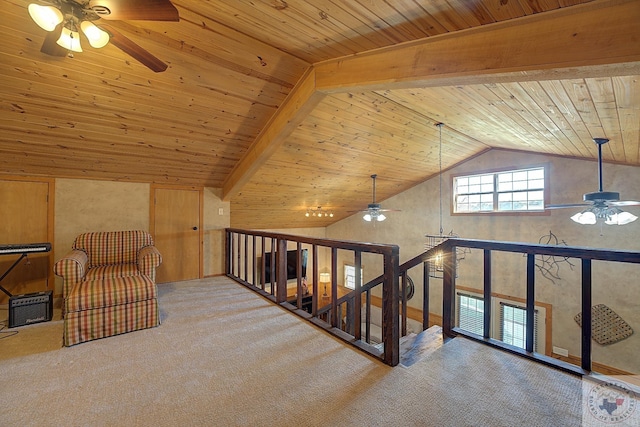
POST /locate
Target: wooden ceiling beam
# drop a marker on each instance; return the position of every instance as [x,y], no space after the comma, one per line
[596,39]
[298,104]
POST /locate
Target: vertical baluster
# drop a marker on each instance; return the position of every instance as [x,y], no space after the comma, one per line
[586,314]
[425,296]
[487,294]
[531,295]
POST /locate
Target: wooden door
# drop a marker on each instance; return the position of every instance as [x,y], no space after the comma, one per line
[24,210]
[176,221]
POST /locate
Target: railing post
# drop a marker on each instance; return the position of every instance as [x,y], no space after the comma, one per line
[357,303]
[390,311]
[586,314]
[448,294]
[227,247]
[425,296]
[334,287]
[486,333]
[246,257]
[315,294]
[281,277]
[531,301]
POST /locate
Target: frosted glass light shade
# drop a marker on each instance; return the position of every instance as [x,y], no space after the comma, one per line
[47,17]
[621,218]
[97,38]
[368,217]
[584,218]
[70,40]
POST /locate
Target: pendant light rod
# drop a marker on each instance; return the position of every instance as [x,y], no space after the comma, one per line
[439,125]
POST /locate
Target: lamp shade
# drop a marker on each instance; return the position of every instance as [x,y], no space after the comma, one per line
[97,38]
[379,217]
[585,218]
[325,277]
[47,17]
[70,40]
[621,218]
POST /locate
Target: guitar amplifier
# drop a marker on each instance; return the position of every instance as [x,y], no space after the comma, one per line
[30,308]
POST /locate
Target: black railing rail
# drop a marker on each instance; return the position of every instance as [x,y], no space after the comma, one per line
[238,242]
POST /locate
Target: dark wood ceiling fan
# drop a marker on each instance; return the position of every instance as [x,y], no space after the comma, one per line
[73,14]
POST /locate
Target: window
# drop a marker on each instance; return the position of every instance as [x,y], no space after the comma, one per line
[471,313]
[505,191]
[350,276]
[508,319]
[513,326]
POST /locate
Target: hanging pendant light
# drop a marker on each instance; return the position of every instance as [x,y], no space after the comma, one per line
[436,263]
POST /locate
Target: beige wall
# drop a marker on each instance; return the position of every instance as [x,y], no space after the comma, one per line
[88,205]
[614,284]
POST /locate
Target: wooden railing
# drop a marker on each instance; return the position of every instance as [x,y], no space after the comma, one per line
[585,255]
[394,302]
[246,253]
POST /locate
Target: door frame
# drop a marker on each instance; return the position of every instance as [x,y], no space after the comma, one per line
[152,215]
[51,197]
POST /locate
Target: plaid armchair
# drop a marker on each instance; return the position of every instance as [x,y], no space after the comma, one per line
[109,285]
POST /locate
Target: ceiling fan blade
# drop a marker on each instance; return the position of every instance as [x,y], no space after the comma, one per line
[137,10]
[127,46]
[50,47]
[570,205]
[624,203]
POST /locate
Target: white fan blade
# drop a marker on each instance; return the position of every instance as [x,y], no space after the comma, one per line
[624,203]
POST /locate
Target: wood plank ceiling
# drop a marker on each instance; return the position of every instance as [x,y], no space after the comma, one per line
[233,111]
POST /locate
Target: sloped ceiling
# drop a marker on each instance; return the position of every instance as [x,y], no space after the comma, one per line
[293,105]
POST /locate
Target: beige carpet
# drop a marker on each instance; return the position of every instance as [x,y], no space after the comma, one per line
[225,356]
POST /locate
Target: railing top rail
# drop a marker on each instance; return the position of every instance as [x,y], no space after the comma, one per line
[541,249]
[377,248]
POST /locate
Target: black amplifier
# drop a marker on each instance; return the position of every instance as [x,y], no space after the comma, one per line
[30,308]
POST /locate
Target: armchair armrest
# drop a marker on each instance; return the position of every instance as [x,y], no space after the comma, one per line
[149,258]
[72,268]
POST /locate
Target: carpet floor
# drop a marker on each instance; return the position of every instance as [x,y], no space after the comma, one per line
[225,356]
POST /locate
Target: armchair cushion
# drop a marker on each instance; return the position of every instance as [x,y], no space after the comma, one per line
[113,247]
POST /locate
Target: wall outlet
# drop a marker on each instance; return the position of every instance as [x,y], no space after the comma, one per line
[561,351]
[220,211]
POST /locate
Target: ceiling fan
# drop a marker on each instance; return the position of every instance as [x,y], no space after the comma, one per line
[602,205]
[374,210]
[63,18]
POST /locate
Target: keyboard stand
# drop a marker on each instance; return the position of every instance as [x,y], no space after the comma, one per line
[24,255]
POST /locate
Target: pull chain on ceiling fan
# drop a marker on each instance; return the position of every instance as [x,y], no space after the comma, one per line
[63,19]
[603,205]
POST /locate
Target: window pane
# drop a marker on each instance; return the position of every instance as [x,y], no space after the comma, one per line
[536,174]
[471,314]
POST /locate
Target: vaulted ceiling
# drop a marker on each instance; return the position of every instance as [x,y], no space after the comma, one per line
[289,105]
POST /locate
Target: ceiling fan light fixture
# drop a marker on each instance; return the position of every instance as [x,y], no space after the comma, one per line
[367,217]
[70,40]
[381,218]
[97,37]
[585,217]
[47,17]
[621,218]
